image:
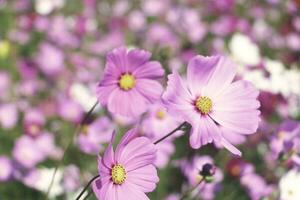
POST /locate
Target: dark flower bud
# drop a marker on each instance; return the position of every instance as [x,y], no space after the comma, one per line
[208,171]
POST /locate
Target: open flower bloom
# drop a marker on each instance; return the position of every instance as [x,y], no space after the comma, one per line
[128,172]
[212,103]
[129,82]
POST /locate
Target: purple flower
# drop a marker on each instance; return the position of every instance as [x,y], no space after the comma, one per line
[33,122]
[71,179]
[212,103]
[256,186]
[50,59]
[95,135]
[159,122]
[6,168]
[30,151]
[129,82]
[192,170]
[70,110]
[128,172]
[26,152]
[8,115]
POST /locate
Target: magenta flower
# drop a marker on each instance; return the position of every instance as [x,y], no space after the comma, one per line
[128,172]
[129,82]
[212,103]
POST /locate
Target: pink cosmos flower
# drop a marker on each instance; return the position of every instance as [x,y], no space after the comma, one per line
[129,82]
[128,172]
[212,103]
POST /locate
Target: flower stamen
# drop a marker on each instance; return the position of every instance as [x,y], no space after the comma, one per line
[203,104]
[160,114]
[118,174]
[127,82]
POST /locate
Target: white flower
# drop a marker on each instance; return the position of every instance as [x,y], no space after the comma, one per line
[82,95]
[45,7]
[244,50]
[44,179]
[289,186]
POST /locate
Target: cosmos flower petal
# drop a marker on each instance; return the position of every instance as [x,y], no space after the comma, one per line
[130,191]
[96,186]
[239,96]
[105,191]
[116,60]
[108,158]
[241,122]
[136,58]
[145,178]
[221,78]
[150,89]
[126,103]
[150,70]
[138,153]
[130,135]
[232,136]
[241,88]
[103,93]
[199,70]
[195,141]
[129,82]
[230,147]
[176,92]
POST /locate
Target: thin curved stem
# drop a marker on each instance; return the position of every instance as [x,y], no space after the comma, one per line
[186,194]
[86,187]
[78,129]
[172,132]
[88,195]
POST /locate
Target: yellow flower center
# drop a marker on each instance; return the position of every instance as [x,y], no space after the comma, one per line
[85,129]
[118,174]
[4,49]
[127,82]
[204,105]
[34,129]
[160,114]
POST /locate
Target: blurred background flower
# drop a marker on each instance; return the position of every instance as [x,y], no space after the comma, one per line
[52,56]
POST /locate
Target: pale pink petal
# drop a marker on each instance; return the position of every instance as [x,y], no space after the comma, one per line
[150,89]
[195,141]
[130,135]
[138,153]
[232,137]
[136,58]
[199,71]
[149,70]
[221,78]
[240,88]
[204,132]
[130,192]
[104,93]
[144,178]
[176,92]
[230,147]
[127,103]
[240,122]
[178,99]
[239,96]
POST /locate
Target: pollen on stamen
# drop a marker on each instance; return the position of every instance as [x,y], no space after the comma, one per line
[203,104]
[160,114]
[118,174]
[127,82]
